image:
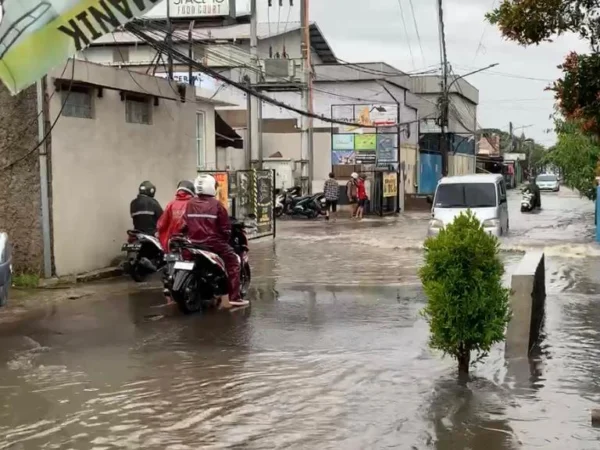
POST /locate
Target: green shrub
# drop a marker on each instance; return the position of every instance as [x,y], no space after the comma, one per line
[26,281]
[467,308]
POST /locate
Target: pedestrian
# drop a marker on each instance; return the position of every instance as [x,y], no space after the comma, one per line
[363,198]
[332,193]
[352,194]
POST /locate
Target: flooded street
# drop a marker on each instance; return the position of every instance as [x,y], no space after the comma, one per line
[332,355]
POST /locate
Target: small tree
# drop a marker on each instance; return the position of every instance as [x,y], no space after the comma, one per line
[467,308]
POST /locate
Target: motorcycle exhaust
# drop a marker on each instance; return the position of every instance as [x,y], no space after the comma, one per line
[147,264]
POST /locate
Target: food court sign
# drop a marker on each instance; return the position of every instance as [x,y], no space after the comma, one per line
[199,8]
[39,35]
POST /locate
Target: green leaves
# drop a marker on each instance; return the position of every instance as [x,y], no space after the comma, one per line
[467,305]
[577,154]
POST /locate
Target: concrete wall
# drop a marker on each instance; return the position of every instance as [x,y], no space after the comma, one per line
[410,166]
[97,164]
[527,302]
[20,207]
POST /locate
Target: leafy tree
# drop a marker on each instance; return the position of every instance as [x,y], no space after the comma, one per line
[577,154]
[534,21]
[467,308]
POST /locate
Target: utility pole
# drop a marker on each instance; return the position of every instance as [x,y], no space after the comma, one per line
[254,103]
[307,122]
[512,137]
[170,40]
[445,97]
[191,50]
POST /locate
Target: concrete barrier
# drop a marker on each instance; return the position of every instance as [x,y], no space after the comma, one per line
[527,301]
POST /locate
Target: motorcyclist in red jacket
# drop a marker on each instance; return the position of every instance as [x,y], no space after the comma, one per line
[208,224]
[171,222]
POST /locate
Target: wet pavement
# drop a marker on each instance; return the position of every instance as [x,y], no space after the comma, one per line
[332,355]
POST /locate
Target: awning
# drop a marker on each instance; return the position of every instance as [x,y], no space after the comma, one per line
[225,136]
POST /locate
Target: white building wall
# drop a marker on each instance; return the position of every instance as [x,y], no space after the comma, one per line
[97,164]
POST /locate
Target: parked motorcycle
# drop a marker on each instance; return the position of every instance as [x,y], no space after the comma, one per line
[197,277]
[145,255]
[528,201]
[284,200]
[291,203]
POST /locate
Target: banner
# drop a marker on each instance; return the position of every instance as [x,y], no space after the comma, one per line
[222,188]
[37,36]
[390,184]
[192,8]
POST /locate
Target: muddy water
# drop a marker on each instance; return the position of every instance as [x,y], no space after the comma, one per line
[333,355]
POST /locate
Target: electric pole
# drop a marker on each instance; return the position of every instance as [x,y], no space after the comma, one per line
[444,103]
[307,122]
[254,103]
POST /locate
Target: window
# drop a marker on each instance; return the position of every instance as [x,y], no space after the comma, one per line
[120,54]
[137,110]
[200,139]
[467,195]
[77,102]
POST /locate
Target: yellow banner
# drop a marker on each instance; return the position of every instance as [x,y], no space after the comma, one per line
[39,35]
[222,188]
[390,184]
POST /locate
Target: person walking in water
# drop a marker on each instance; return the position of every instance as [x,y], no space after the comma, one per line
[351,192]
[332,193]
[363,198]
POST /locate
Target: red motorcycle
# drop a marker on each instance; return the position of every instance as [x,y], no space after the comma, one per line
[197,277]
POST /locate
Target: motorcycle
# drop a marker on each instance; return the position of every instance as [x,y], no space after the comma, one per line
[528,201]
[284,200]
[197,277]
[145,255]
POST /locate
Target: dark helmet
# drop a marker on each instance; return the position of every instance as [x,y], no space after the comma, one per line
[147,188]
[186,186]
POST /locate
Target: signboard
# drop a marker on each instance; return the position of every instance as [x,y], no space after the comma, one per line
[193,8]
[183,77]
[342,141]
[222,189]
[387,148]
[343,157]
[37,36]
[390,184]
[365,142]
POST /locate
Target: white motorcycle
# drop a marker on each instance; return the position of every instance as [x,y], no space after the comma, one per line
[528,201]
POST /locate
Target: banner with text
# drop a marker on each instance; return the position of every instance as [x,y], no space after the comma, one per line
[36,36]
[390,184]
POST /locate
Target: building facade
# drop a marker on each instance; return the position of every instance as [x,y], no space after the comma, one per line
[108,130]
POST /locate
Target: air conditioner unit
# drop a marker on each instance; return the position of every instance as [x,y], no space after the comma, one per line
[277,69]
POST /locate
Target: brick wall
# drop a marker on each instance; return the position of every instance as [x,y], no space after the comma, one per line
[20,208]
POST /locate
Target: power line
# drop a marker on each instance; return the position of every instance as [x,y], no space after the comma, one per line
[412,9]
[159,45]
[412,57]
[485,27]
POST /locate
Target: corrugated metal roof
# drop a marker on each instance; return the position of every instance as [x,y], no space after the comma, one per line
[240,31]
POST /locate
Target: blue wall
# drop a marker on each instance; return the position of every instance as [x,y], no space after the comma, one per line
[430,171]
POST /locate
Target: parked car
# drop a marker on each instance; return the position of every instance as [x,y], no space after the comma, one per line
[483,194]
[548,182]
[5,267]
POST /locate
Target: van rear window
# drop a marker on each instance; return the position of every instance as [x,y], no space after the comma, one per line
[467,195]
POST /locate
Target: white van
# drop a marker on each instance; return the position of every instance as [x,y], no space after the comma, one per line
[484,195]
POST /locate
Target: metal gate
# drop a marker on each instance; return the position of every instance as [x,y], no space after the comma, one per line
[383,192]
[249,192]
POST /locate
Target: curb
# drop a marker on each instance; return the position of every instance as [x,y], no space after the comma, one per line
[67,281]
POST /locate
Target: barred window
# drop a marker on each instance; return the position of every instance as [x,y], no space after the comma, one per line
[138,110]
[77,102]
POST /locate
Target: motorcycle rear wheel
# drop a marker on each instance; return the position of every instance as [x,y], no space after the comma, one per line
[138,274]
[188,299]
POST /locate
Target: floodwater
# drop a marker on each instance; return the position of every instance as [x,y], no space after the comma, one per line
[332,355]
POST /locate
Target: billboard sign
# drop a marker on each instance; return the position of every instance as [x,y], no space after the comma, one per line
[37,36]
[188,9]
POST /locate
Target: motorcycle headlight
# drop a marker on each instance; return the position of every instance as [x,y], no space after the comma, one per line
[491,223]
[436,224]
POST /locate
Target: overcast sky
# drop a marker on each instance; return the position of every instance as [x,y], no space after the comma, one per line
[362,30]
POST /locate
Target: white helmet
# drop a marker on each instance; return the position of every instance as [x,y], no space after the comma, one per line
[354,175]
[205,184]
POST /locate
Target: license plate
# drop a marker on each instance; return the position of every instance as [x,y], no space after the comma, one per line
[183,265]
[131,247]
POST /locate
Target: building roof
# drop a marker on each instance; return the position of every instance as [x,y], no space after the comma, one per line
[234,33]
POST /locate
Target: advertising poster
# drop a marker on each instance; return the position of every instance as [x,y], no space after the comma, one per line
[264,201]
[365,142]
[390,184]
[343,157]
[222,188]
[37,36]
[387,148]
[342,141]
[366,157]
